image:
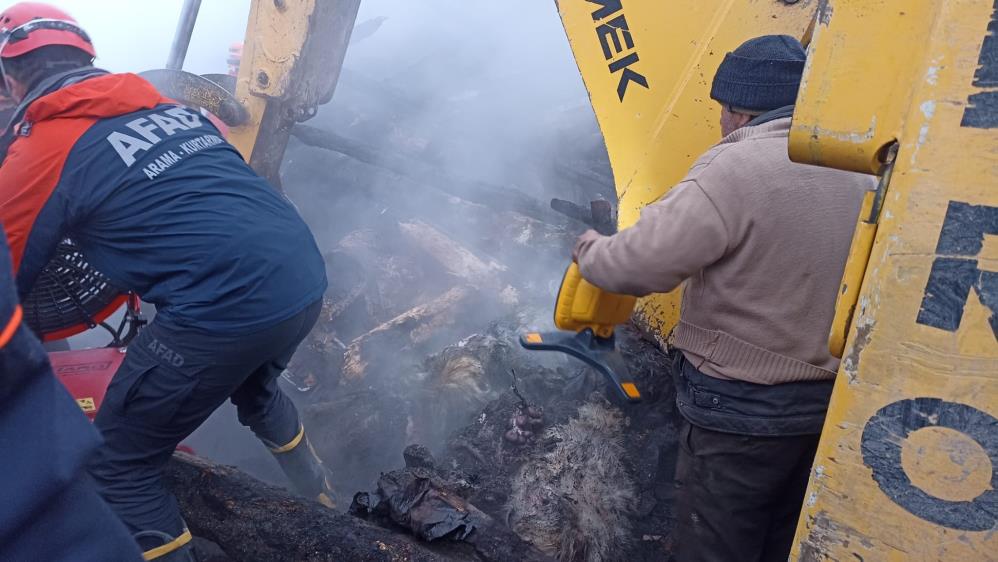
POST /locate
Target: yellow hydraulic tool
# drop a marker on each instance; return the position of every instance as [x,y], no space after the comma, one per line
[588,316]
[581,305]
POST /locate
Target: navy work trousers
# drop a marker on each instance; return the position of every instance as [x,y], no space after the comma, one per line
[170,382]
[739,496]
[50,508]
[745,454]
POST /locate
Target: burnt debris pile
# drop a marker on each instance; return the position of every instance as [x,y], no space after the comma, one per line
[582,480]
[429,191]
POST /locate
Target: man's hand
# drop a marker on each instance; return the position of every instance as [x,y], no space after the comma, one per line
[587,238]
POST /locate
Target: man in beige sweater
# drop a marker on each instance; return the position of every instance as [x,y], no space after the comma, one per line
[760,243]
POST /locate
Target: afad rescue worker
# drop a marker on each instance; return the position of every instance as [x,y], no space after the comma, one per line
[51,510]
[164,207]
[760,243]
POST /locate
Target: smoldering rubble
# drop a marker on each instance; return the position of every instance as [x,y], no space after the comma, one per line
[429,193]
[589,481]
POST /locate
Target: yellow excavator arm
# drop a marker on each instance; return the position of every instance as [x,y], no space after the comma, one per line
[648,67]
[291,60]
[907,468]
[292,56]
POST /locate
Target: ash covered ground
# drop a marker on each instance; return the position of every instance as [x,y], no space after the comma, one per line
[427,181]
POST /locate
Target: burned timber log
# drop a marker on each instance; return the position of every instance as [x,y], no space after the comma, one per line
[453,256]
[253,521]
[495,197]
[411,328]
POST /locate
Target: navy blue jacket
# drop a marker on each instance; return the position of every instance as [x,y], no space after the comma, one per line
[160,203]
[50,508]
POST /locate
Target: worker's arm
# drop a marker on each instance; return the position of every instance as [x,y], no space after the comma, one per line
[34,206]
[41,245]
[674,238]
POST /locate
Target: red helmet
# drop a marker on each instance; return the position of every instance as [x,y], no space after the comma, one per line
[27,26]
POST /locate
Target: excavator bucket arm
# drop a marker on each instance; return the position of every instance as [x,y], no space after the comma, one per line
[648,67]
[907,466]
[292,56]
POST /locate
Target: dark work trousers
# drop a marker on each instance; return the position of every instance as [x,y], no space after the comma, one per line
[739,496]
[170,382]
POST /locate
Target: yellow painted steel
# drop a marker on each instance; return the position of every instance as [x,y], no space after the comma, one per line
[582,305]
[850,113]
[275,37]
[859,256]
[654,133]
[906,468]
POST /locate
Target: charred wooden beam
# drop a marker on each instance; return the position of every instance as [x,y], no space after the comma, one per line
[412,327]
[251,520]
[495,197]
[453,256]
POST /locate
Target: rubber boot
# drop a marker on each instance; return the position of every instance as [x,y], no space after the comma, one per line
[304,469]
[161,547]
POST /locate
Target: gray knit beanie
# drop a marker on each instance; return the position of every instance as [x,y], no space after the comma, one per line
[762,74]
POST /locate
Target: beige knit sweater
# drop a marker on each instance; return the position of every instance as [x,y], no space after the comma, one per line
[761,243]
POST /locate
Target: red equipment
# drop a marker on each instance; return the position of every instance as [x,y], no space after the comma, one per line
[87,373]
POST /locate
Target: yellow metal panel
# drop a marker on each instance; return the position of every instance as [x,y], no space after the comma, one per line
[848,113]
[852,278]
[648,66]
[859,257]
[906,468]
[275,35]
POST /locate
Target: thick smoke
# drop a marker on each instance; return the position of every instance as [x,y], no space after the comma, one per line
[460,98]
[473,96]
[133,36]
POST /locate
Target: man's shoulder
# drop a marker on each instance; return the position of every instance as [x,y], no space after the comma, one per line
[35,159]
[760,165]
[748,156]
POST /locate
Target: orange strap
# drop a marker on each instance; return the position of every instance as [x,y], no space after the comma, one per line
[12,325]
